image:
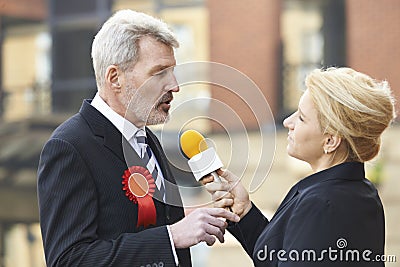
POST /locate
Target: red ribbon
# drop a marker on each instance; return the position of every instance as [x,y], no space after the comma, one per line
[139,187]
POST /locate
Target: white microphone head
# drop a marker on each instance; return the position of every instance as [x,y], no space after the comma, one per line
[205,163]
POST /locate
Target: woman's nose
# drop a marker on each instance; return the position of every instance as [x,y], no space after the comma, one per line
[288,122]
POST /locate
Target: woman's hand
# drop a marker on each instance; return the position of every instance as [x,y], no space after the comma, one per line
[229,193]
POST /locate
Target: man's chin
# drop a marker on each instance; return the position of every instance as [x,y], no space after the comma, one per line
[155,119]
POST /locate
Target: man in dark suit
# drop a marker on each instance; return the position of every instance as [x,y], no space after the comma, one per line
[107,196]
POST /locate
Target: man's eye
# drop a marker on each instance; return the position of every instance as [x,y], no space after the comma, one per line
[160,73]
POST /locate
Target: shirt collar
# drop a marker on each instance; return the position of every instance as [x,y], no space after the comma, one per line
[126,128]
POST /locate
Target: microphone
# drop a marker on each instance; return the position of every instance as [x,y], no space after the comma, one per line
[203,160]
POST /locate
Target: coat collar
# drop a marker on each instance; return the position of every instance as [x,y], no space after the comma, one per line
[114,141]
[344,171]
[102,127]
[352,171]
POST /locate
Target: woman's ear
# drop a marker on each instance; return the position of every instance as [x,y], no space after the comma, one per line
[332,142]
[112,78]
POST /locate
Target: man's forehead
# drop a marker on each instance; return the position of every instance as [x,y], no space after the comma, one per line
[151,50]
[151,43]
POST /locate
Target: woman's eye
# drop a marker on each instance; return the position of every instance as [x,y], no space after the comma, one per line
[300,118]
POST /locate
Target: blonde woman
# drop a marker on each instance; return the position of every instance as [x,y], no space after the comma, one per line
[334,217]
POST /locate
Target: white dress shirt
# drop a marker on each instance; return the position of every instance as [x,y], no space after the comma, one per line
[128,130]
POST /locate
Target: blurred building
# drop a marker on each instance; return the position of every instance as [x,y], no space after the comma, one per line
[45,72]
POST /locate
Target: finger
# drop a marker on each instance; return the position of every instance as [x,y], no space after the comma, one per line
[217,195]
[216,231]
[237,210]
[207,179]
[212,187]
[219,212]
[210,240]
[224,203]
[227,175]
[216,222]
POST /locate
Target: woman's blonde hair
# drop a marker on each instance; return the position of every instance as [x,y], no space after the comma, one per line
[353,106]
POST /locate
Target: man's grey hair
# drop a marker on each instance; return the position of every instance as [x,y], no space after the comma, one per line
[117,41]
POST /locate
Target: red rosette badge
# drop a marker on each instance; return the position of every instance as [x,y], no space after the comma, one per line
[139,187]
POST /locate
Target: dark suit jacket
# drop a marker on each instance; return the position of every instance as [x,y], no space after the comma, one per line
[85,217]
[336,210]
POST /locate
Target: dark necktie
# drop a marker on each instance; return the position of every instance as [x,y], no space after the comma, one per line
[150,162]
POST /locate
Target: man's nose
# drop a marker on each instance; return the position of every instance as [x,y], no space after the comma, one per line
[173,84]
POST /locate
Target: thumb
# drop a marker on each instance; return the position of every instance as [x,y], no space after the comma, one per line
[227,175]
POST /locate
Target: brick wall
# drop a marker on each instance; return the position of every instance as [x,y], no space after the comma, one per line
[245,35]
[373,39]
[28,9]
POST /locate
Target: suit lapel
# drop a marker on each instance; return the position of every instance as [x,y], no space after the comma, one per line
[102,127]
[120,147]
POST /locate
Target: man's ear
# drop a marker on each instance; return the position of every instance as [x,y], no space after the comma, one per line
[331,143]
[112,78]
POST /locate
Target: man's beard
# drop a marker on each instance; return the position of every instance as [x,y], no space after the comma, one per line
[144,111]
